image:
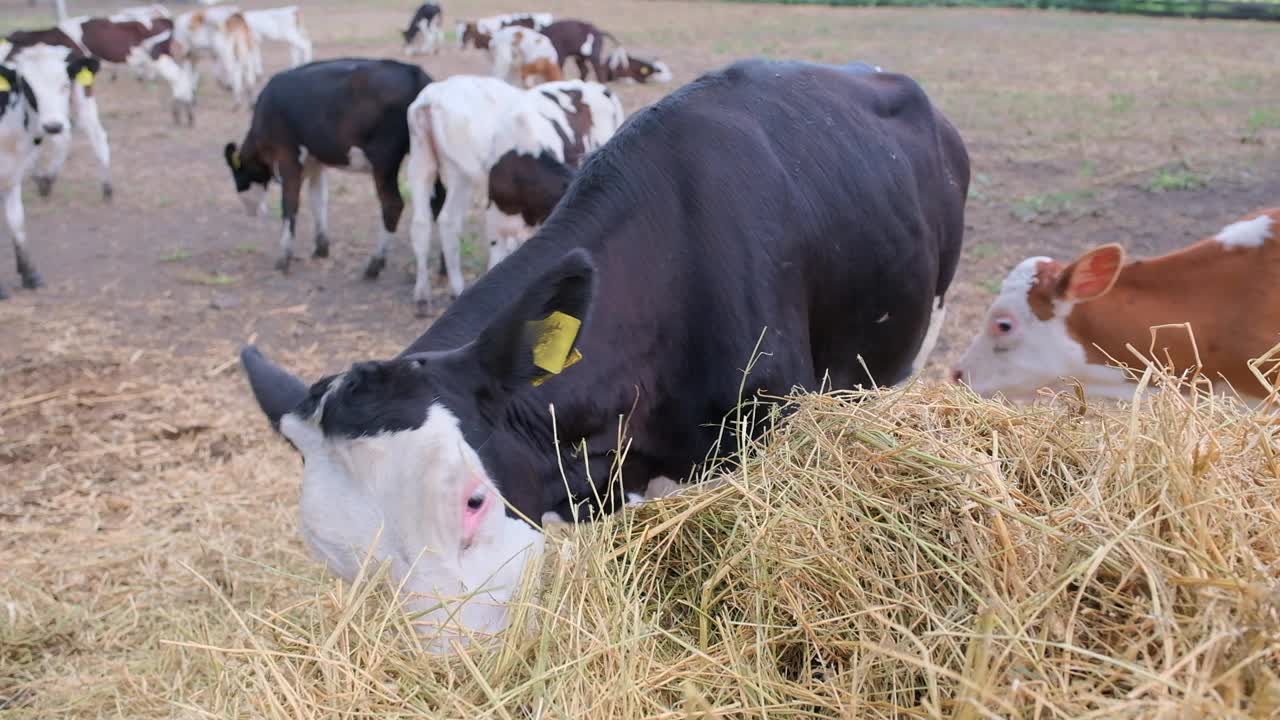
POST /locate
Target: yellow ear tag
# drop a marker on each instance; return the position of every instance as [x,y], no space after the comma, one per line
[84,77]
[235,160]
[4,84]
[553,351]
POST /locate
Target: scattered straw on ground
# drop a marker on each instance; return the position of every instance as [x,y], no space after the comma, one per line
[914,554]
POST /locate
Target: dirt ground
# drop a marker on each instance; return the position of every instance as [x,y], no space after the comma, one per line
[133,462]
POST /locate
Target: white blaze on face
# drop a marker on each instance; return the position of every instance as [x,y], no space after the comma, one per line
[44,67]
[442,521]
[1017,353]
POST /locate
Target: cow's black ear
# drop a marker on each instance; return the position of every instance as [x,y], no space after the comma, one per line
[536,336]
[8,79]
[277,390]
[233,158]
[81,64]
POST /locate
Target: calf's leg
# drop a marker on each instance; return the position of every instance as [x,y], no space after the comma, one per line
[290,192]
[13,215]
[87,116]
[318,196]
[384,180]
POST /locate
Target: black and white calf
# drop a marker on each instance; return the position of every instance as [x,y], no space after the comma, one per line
[347,114]
[83,107]
[461,127]
[35,103]
[425,33]
[819,206]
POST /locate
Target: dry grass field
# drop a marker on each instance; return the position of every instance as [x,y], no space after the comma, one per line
[147,515]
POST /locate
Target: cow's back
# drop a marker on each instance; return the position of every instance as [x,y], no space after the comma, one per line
[311,102]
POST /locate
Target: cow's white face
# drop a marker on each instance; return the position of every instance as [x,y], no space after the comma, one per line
[423,496]
[50,74]
[1026,343]
[410,460]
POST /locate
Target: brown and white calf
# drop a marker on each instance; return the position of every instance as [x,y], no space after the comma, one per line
[425,33]
[223,34]
[479,33]
[626,67]
[1053,321]
[524,57]
[125,39]
[462,127]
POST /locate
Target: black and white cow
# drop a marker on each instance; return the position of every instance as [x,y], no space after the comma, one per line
[348,114]
[83,107]
[425,33]
[35,103]
[819,206]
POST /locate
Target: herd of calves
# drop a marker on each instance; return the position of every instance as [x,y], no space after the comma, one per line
[512,142]
[514,138]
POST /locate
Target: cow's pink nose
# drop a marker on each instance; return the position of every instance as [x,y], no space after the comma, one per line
[957,376]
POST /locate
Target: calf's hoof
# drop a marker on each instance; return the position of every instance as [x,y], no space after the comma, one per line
[322,247]
[422,308]
[282,263]
[44,186]
[32,280]
[107,191]
[375,266]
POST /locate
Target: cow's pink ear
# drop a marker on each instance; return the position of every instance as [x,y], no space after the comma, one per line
[1092,274]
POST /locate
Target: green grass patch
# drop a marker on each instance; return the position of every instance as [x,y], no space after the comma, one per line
[1264,119]
[247,248]
[216,279]
[1035,207]
[1176,178]
[176,256]
[1121,102]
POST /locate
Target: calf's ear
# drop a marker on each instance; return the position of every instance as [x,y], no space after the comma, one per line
[277,390]
[1092,275]
[534,337]
[233,157]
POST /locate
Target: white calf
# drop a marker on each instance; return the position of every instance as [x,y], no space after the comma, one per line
[460,127]
[222,33]
[283,24]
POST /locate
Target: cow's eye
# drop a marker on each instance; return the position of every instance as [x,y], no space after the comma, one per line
[475,501]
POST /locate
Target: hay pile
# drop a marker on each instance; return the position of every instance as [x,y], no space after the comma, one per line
[916,554]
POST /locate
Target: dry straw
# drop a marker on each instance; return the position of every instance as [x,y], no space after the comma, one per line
[913,554]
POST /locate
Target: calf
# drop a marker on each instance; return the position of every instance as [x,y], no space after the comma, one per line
[581,41]
[1053,321]
[35,103]
[222,33]
[623,66]
[282,24]
[478,33]
[347,114]
[523,57]
[53,154]
[546,138]
[426,27]
[141,43]
[609,349]
[459,128]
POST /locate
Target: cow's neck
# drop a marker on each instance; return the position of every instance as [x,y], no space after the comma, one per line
[1182,287]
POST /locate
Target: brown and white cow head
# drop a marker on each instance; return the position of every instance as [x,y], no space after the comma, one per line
[52,73]
[407,460]
[469,32]
[1030,342]
[624,66]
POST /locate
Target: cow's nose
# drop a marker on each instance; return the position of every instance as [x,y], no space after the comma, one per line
[957,376]
[53,128]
